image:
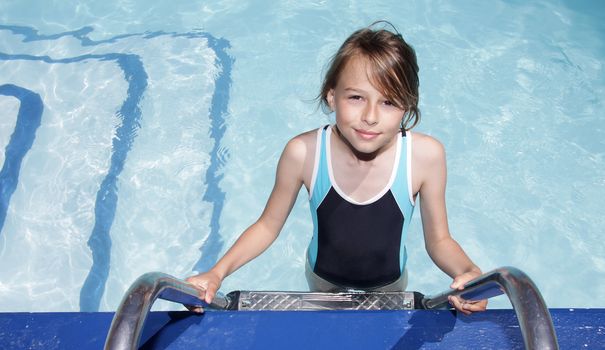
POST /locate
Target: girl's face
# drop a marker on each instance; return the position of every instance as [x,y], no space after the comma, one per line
[366,120]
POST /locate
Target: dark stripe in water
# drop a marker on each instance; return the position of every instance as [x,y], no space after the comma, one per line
[28,120]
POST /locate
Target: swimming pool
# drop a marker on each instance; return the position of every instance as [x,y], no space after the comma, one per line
[160,127]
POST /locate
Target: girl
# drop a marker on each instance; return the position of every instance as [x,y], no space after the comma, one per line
[363,175]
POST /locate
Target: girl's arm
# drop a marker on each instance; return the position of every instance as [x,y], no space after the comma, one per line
[259,236]
[430,166]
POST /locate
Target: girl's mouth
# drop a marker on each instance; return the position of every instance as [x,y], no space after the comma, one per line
[366,135]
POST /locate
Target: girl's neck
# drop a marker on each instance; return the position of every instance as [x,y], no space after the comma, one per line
[357,175]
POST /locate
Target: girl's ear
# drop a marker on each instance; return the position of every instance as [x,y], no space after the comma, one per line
[331,99]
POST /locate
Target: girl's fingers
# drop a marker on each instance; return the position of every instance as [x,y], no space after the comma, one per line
[475,306]
[209,296]
[457,285]
[201,291]
[467,307]
[457,304]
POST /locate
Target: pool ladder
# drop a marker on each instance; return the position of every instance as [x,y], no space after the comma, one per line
[534,319]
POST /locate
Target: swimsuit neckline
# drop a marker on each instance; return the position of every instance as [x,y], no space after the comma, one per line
[342,193]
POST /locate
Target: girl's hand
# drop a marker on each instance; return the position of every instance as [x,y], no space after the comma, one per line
[207,283]
[466,306]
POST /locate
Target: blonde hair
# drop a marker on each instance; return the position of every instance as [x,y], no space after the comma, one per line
[392,67]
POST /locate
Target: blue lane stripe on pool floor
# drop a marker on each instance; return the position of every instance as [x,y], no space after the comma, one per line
[29,118]
[130,116]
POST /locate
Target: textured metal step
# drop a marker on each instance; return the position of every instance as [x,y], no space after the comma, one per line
[277,301]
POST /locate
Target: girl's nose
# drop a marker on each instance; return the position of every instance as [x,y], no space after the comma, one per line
[370,115]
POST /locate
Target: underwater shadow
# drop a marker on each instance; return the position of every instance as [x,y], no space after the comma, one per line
[426,327]
[493,329]
[161,331]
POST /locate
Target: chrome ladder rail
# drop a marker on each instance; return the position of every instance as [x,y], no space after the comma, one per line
[127,324]
[534,319]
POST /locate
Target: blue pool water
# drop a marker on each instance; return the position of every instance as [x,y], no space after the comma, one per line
[152,131]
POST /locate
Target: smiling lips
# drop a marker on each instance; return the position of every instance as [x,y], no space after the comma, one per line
[366,135]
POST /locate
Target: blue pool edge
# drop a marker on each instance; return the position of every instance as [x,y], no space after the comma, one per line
[575,328]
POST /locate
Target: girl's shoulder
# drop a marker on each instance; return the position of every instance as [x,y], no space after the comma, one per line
[300,153]
[307,136]
[426,148]
[302,146]
[305,141]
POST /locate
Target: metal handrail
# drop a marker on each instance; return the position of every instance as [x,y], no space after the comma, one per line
[534,319]
[128,321]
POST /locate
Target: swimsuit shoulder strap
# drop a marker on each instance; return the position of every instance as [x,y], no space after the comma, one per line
[320,182]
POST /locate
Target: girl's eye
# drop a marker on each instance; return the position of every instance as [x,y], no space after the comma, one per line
[355,97]
[388,103]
